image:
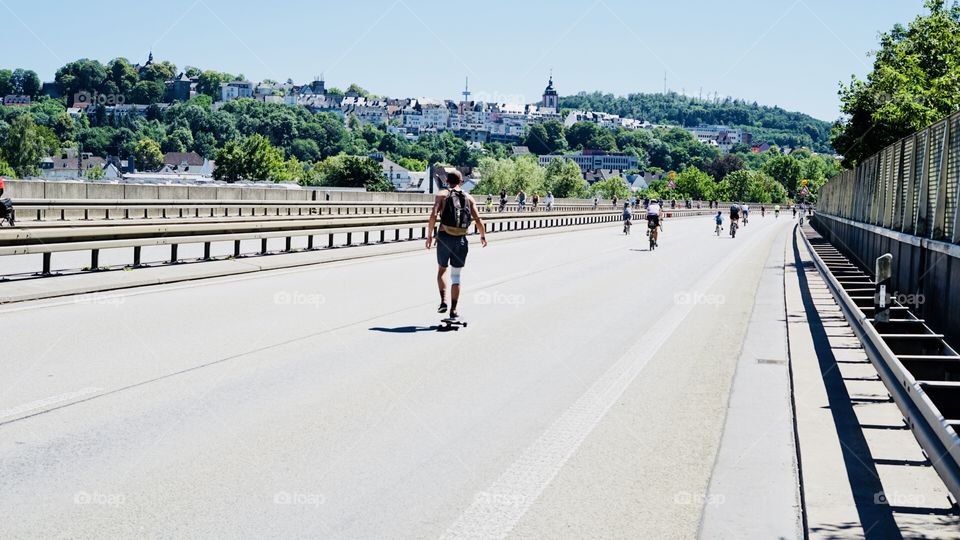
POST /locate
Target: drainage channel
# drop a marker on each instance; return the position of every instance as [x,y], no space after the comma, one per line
[920,370]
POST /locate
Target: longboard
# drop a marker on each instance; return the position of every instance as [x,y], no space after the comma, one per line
[450,324]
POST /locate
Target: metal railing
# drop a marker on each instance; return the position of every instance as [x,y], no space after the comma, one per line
[42,210]
[919,369]
[47,241]
[910,186]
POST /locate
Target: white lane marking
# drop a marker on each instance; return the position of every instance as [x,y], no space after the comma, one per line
[496,511]
[47,402]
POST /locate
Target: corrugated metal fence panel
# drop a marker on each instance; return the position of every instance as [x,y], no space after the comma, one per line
[952,179]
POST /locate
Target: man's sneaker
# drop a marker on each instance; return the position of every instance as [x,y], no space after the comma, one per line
[442,308]
[454,316]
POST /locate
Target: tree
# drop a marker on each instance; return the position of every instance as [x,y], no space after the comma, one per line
[96,173]
[261,160]
[590,136]
[147,155]
[564,180]
[723,165]
[24,146]
[81,75]
[786,170]
[159,72]
[353,171]
[512,175]
[546,138]
[147,92]
[915,82]
[612,187]
[6,84]
[695,184]
[123,75]
[6,170]
[411,164]
[209,82]
[26,82]
[230,162]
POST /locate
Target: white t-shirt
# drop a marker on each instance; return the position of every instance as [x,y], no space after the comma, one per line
[746,208]
[653,209]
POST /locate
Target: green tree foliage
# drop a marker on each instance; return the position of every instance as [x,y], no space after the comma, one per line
[692,183]
[915,82]
[612,187]
[590,136]
[564,180]
[81,75]
[147,155]
[786,170]
[353,171]
[512,175]
[723,165]
[771,124]
[6,84]
[24,146]
[147,92]
[96,173]
[25,82]
[546,138]
[6,171]
[411,164]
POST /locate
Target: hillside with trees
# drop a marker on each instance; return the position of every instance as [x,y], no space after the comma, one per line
[767,124]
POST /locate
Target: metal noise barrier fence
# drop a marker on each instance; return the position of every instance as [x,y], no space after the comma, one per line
[909,186]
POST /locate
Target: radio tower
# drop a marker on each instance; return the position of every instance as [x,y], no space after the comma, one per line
[466,90]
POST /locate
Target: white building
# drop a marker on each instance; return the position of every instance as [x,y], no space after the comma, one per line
[236,90]
[725,137]
[596,160]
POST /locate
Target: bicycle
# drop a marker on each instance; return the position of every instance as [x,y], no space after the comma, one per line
[718,230]
[733,229]
[652,235]
[626,226]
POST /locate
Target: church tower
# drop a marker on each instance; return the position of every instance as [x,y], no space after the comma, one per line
[550,98]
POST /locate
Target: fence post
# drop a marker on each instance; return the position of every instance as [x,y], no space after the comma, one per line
[881,300]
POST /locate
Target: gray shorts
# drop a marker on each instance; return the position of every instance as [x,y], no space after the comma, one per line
[452,250]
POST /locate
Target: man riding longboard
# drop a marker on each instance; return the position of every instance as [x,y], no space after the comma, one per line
[456,211]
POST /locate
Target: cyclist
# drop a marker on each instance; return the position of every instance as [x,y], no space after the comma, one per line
[521,201]
[549,200]
[536,200]
[489,202]
[763,211]
[745,211]
[794,211]
[654,211]
[719,221]
[627,218]
[776,210]
[734,219]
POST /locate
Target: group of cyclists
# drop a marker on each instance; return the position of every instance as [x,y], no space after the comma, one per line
[654,211]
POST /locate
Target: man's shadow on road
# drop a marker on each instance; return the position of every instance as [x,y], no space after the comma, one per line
[406,329]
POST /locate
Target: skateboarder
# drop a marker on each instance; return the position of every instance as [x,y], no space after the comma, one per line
[456,210]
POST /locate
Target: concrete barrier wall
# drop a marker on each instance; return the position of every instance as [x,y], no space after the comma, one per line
[176,193]
[927,269]
[24,189]
[203,193]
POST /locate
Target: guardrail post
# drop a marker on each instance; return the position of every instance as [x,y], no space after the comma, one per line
[173,254]
[46,263]
[310,242]
[366,237]
[136,256]
[423,232]
[330,243]
[882,298]
[383,236]
[206,251]
[289,245]
[236,248]
[349,238]
[263,246]
[94,259]
[410,236]
[396,236]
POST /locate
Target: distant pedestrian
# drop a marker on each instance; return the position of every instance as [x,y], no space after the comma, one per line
[549,200]
[521,200]
[536,200]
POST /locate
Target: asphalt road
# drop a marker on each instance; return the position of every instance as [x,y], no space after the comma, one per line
[586,399]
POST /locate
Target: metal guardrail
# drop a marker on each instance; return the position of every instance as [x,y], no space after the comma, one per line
[39,210]
[47,241]
[920,370]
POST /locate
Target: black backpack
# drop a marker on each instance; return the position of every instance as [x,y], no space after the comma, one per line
[456,211]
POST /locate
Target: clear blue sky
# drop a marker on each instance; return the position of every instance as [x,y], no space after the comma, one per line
[790,53]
